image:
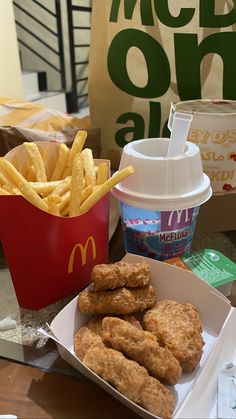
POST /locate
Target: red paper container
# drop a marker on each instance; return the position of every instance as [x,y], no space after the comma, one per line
[50,257]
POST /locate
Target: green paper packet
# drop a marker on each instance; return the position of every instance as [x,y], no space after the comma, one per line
[210,265]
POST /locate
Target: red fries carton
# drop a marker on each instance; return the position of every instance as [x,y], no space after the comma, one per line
[49,256]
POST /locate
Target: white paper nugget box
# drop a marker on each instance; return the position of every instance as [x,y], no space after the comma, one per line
[195,392]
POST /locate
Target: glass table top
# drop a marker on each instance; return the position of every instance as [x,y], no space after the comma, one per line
[20,340]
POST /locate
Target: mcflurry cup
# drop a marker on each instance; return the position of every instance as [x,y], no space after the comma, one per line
[160,202]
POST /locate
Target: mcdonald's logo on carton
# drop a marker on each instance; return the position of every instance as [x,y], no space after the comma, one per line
[83,249]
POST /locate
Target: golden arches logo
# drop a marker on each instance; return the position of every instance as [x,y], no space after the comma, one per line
[83,251]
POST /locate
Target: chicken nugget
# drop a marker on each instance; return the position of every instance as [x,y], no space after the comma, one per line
[178,328]
[120,274]
[95,323]
[132,320]
[118,301]
[90,334]
[131,380]
[135,344]
[84,339]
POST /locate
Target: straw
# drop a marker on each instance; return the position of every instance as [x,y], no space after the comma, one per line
[179,133]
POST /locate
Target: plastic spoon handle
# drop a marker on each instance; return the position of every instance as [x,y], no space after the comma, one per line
[180,128]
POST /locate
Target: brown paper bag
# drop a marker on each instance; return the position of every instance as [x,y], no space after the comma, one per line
[146,54]
[26,121]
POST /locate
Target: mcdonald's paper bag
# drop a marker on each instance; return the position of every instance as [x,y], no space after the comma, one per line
[146,54]
[27,121]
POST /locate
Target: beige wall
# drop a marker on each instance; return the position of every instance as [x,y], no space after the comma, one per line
[10,71]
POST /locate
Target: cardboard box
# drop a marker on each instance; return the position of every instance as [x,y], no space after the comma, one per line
[202,400]
[219,335]
[217,214]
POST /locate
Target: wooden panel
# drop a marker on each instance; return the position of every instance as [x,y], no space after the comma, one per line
[30,393]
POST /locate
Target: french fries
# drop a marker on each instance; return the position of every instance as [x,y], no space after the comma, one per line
[76,185]
[52,201]
[89,169]
[101,173]
[36,161]
[77,146]
[61,162]
[9,171]
[71,186]
[4,192]
[32,196]
[106,187]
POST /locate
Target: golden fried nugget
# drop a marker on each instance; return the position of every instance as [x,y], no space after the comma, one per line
[84,339]
[178,328]
[132,320]
[135,323]
[134,343]
[117,301]
[120,274]
[131,380]
[90,334]
[95,323]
